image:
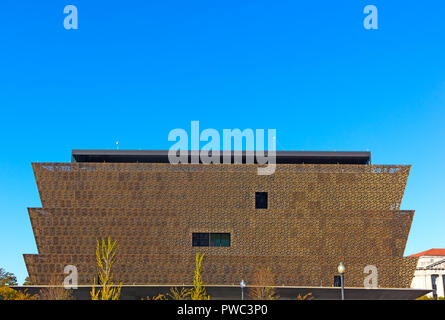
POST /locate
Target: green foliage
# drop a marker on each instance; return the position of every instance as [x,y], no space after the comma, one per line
[106,257]
[7,278]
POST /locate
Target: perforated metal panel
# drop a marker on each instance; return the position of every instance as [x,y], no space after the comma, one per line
[317,216]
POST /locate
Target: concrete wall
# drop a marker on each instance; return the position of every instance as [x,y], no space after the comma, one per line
[422,277]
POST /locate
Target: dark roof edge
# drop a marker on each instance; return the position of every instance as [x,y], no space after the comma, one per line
[161,156]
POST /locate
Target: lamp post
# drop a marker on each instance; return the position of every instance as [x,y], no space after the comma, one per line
[341,269]
[242,285]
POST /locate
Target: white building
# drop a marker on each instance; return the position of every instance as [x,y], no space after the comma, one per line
[430,272]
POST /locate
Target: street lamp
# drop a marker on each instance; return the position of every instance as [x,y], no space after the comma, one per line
[341,269]
[242,285]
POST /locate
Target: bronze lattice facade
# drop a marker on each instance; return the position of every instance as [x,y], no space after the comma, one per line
[317,215]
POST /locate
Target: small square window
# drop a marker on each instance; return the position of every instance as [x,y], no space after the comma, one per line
[200,239]
[220,239]
[261,200]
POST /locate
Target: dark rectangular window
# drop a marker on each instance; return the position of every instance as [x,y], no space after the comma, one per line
[443,282]
[200,239]
[206,239]
[337,281]
[261,200]
[220,239]
[434,285]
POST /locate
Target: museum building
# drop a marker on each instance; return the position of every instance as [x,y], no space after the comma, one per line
[315,210]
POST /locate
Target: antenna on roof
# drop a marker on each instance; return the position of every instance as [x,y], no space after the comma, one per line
[117,145]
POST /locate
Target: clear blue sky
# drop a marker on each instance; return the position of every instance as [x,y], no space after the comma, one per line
[134,70]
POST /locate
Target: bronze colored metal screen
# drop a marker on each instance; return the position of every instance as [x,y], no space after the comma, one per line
[317,215]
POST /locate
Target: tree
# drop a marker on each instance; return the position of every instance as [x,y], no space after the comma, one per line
[106,257]
[176,294]
[27,282]
[55,291]
[7,293]
[7,278]
[198,292]
[263,281]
